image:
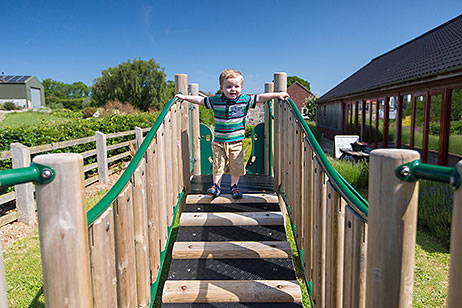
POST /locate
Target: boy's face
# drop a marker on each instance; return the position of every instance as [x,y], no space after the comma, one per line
[232,87]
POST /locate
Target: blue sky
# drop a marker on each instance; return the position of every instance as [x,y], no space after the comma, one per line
[320,41]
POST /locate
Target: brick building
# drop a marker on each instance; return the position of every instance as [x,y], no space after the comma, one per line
[299,94]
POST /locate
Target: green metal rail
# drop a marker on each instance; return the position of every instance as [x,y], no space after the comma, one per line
[36,173]
[352,197]
[415,170]
[108,198]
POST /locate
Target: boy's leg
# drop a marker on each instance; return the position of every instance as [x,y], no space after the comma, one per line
[236,168]
[217,179]
[235,180]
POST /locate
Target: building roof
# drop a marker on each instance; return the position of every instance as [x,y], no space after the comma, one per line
[15,79]
[435,52]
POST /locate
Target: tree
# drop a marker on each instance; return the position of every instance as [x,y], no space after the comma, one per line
[310,108]
[140,83]
[292,79]
[60,89]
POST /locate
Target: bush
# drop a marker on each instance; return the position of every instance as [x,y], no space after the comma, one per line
[435,209]
[74,104]
[9,106]
[248,130]
[116,107]
[355,173]
[206,116]
[46,132]
[66,113]
[88,112]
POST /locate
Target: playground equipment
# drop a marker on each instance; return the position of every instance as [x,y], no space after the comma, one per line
[354,254]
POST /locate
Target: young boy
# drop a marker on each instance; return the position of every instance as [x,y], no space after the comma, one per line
[230,110]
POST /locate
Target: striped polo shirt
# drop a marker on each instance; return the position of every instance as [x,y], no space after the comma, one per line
[230,115]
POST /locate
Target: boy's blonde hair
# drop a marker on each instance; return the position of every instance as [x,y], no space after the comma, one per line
[230,73]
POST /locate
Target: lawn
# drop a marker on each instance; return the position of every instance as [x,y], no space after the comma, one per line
[29,117]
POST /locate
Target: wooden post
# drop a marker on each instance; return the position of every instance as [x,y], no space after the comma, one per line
[153,213]
[308,210]
[63,233]
[196,150]
[138,136]
[140,219]
[25,203]
[181,86]
[455,268]
[101,156]
[3,294]
[162,187]
[269,88]
[125,249]
[392,225]
[280,85]
[102,256]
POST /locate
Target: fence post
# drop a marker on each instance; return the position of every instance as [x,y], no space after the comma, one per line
[455,268]
[392,223]
[63,233]
[101,156]
[181,86]
[280,85]
[196,146]
[139,136]
[3,294]
[269,88]
[24,192]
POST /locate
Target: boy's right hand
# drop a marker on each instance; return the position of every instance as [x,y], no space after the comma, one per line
[181,96]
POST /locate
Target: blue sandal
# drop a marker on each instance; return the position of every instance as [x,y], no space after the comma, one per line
[214,190]
[235,192]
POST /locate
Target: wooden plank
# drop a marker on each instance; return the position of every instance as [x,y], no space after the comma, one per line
[7,197]
[161,186]
[3,288]
[298,183]
[90,167]
[455,268]
[140,218]
[174,153]
[319,235]
[231,250]
[59,145]
[231,291]
[227,199]
[8,218]
[168,166]
[308,211]
[348,296]
[102,257]
[120,145]
[88,153]
[153,221]
[5,155]
[118,157]
[125,250]
[120,134]
[337,226]
[231,219]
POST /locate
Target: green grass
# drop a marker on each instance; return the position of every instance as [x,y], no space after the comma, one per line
[431,272]
[298,265]
[30,118]
[23,269]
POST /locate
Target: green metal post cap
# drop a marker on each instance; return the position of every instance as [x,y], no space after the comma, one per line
[37,173]
[415,170]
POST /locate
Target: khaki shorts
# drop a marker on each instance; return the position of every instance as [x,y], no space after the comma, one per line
[228,156]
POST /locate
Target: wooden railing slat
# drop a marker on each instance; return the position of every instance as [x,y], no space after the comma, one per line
[161,187]
[102,257]
[125,249]
[140,219]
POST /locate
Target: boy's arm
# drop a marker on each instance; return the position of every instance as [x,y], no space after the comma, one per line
[264,97]
[199,100]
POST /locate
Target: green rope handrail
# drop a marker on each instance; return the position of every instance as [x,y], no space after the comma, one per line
[112,194]
[353,198]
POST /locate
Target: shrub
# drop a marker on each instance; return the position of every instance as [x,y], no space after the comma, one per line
[66,113]
[435,209]
[74,104]
[116,107]
[88,112]
[355,173]
[206,116]
[248,130]
[9,106]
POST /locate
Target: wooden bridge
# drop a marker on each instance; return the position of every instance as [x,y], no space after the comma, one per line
[232,253]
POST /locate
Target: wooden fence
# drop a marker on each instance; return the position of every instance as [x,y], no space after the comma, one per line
[20,155]
[114,260]
[354,258]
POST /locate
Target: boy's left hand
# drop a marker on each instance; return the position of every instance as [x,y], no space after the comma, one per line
[283,95]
